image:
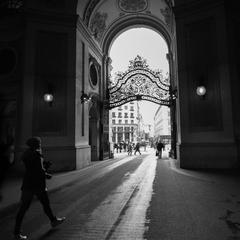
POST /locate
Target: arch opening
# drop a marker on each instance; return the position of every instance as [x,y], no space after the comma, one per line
[138,82]
[146,77]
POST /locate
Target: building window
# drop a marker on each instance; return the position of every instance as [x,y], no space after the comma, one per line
[127,137]
[120,121]
[119,114]
[126,121]
[113,121]
[131,108]
[114,129]
[127,129]
[120,129]
[132,121]
[120,108]
[125,115]
[113,114]
[132,116]
[126,107]
[120,137]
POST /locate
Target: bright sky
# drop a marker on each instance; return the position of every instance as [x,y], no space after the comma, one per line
[149,45]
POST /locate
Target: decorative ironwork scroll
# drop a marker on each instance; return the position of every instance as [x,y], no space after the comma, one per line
[139,82]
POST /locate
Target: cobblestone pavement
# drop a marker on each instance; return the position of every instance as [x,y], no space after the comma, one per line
[138,197]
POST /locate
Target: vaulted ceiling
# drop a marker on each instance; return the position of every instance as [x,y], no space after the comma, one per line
[100,15]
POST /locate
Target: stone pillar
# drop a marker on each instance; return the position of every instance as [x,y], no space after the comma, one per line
[81,123]
[49,67]
[173,96]
[206,138]
[105,141]
[233,26]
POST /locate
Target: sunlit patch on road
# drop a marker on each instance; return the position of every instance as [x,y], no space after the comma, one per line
[127,209]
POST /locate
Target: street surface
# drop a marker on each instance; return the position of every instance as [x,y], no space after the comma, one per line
[138,197]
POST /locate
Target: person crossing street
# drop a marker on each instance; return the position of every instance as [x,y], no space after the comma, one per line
[137,148]
[34,183]
[160,147]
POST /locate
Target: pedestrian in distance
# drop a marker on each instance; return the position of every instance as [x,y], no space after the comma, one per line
[137,148]
[130,147]
[120,147]
[145,146]
[125,146]
[116,147]
[34,183]
[160,147]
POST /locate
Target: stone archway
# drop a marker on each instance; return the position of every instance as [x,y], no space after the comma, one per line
[168,34]
[62,35]
[100,22]
[60,56]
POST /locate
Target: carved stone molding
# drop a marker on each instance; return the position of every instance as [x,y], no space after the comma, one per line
[167,14]
[169,3]
[98,25]
[94,71]
[89,10]
[132,6]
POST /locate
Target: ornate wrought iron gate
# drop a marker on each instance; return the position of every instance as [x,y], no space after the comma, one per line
[139,82]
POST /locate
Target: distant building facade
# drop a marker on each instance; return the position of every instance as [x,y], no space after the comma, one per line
[162,125]
[124,122]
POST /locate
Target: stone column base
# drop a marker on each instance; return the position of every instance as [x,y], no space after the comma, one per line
[208,155]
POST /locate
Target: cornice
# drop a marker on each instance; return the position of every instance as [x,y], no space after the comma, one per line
[82,28]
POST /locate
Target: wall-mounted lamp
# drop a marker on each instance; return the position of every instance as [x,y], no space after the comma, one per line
[48,96]
[85,98]
[201,91]
[173,93]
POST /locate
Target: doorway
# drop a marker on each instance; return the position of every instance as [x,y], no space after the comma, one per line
[94,133]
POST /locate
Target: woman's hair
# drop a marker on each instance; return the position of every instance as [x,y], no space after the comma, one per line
[33,142]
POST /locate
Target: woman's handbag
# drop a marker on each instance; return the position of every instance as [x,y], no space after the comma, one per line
[156,153]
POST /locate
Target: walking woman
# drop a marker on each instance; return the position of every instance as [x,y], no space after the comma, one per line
[34,183]
[137,148]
